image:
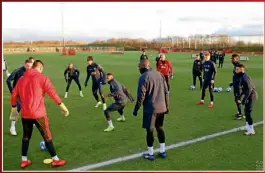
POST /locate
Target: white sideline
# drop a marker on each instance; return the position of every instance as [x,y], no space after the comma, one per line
[180,144]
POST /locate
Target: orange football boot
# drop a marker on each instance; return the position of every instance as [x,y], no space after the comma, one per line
[24,164]
[210,106]
[200,103]
[56,163]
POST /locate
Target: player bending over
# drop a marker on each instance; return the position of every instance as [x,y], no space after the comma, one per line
[250,96]
[197,71]
[209,73]
[152,93]
[120,95]
[15,76]
[236,87]
[98,79]
[31,90]
[164,67]
[72,73]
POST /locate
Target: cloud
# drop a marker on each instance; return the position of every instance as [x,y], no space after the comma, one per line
[96,20]
[251,29]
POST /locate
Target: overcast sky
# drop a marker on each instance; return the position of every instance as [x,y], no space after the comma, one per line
[100,20]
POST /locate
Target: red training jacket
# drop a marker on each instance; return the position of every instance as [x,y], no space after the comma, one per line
[164,67]
[31,89]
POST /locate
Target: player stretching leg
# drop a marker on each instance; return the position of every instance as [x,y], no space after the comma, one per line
[15,76]
[72,73]
[250,96]
[31,89]
[164,66]
[98,79]
[120,95]
[209,73]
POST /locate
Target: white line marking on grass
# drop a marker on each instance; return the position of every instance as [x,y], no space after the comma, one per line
[173,146]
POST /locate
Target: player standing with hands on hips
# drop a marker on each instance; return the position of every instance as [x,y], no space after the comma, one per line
[152,93]
[164,66]
[31,90]
[209,73]
[250,96]
[72,73]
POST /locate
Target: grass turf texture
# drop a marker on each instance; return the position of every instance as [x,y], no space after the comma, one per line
[80,139]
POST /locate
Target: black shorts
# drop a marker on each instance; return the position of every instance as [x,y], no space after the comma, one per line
[154,120]
[115,107]
[41,123]
[97,86]
[197,73]
[207,84]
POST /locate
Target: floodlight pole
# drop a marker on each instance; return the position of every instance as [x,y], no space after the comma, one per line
[160,33]
[62,15]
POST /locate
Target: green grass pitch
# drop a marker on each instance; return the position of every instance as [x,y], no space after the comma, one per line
[80,139]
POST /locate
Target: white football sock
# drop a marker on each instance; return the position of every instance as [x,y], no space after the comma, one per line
[202,101]
[162,148]
[55,158]
[66,93]
[110,123]
[247,126]
[122,116]
[251,128]
[211,103]
[151,150]
[13,124]
[24,158]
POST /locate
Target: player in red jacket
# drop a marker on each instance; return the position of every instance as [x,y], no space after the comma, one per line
[31,89]
[164,66]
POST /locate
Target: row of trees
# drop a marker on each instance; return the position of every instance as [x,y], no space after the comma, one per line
[254,43]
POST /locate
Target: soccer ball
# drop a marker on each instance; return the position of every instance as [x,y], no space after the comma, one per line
[220,89]
[192,87]
[228,89]
[42,145]
[215,89]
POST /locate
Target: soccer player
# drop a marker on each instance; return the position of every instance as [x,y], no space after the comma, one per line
[72,73]
[164,66]
[197,71]
[143,56]
[201,55]
[15,76]
[121,96]
[221,58]
[32,59]
[98,79]
[5,67]
[214,56]
[31,90]
[236,87]
[250,96]
[152,93]
[209,73]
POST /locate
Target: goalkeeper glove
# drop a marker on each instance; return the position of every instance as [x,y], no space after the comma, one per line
[14,114]
[171,76]
[64,109]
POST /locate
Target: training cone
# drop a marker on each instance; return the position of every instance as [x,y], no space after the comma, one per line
[47,161]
